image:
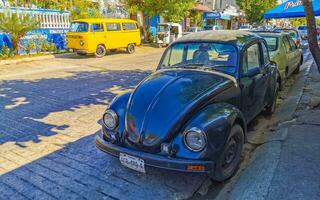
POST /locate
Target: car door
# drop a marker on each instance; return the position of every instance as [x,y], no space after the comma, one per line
[295,54]
[113,35]
[252,81]
[289,55]
[99,36]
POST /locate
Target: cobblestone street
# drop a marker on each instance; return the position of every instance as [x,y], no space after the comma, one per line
[49,113]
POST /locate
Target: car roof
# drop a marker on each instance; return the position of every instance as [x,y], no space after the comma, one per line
[237,37]
[97,20]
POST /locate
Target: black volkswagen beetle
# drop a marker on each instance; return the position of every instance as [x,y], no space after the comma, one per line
[191,115]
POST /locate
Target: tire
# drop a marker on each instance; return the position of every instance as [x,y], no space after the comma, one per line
[100,51]
[131,48]
[270,109]
[297,70]
[229,160]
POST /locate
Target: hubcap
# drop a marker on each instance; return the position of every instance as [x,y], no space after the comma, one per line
[100,51]
[231,152]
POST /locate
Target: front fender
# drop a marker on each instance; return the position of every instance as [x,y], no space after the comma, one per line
[119,105]
[216,120]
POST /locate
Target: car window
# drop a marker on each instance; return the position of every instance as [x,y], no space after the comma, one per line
[251,60]
[79,27]
[129,26]
[218,56]
[96,28]
[113,27]
[286,44]
[302,28]
[292,44]
[266,58]
[272,42]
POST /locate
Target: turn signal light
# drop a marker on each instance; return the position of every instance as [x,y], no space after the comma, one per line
[195,168]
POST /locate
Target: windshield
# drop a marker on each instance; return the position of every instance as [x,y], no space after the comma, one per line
[163,28]
[272,42]
[79,27]
[217,56]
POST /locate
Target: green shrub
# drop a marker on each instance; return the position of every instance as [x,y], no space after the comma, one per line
[30,46]
[5,52]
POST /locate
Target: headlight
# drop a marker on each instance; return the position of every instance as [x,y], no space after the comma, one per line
[81,43]
[195,139]
[110,119]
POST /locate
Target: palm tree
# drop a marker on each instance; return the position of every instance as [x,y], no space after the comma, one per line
[17,26]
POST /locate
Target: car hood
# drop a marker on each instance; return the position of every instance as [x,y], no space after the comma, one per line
[165,99]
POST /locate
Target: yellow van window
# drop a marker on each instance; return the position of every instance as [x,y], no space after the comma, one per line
[113,27]
[79,27]
[129,26]
[96,28]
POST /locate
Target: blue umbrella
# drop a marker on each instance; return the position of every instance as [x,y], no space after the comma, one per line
[291,9]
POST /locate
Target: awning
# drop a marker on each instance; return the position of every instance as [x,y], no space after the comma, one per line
[202,8]
[291,9]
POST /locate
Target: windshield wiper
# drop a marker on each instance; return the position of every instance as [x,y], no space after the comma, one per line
[189,65]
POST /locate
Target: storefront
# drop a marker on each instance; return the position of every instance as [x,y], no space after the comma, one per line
[216,20]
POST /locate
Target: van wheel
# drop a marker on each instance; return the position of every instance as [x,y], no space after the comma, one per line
[100,51]
[131,48]
[229,160]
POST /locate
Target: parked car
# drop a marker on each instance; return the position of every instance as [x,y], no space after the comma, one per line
[95,36]
[245,28]
[303,30]
[168,33]
[293,33]
[191,115]
[213,28]
[285,53]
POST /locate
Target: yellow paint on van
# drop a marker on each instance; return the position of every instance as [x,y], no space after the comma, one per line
[113,35]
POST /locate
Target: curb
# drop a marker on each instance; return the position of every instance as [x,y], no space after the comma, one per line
[36,58]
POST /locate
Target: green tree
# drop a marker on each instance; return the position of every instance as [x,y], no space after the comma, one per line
[17,26]
[85,9]
[176,11]
[255,9]
[148,8]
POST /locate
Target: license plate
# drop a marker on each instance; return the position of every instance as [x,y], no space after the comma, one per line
[132,162]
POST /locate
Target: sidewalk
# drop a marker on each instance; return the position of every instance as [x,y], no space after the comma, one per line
[286,165]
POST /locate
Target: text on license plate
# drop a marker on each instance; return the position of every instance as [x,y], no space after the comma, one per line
[132,162]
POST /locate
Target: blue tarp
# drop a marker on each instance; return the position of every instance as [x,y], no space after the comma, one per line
[291,9]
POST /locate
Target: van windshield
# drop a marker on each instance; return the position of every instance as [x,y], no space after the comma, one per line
[163,28]
[79,27]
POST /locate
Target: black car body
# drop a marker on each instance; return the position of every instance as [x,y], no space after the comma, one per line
[192,117]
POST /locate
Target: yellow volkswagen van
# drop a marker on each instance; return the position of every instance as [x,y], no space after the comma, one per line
[95,36]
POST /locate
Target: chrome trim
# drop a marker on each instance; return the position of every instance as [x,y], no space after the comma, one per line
[115,117]
[195,129]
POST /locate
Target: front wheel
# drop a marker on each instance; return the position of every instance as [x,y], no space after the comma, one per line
[228,162]
[131,48]
[100,51]
[297,70]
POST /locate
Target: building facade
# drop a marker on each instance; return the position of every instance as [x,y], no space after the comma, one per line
[224,14]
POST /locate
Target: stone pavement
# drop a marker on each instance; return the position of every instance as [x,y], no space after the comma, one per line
[286,164]
[49,113]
